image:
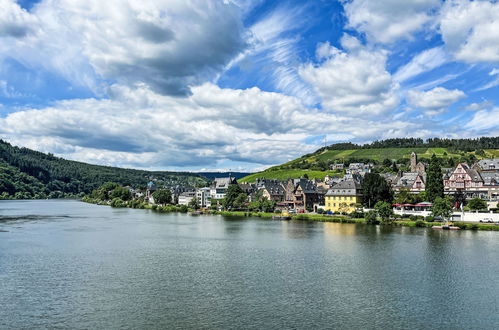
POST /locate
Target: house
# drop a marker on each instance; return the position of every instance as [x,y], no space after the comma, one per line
[151,188]
[203,196]
[338,166]
[305,194]
[359,168]
[271,189]
[415,182]
[219,187]
[344,197]
[487,165]
[186,197]
[481,180]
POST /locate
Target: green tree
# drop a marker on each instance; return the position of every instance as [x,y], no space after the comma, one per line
[385,212]
[162,196]
[371,217]
[434,182]
[442,207]
[232,192]
[404,196]
[477,204]
[240,201]
[121,193]
[194,203]
[375,189]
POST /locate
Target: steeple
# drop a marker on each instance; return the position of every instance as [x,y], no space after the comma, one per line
[414,162]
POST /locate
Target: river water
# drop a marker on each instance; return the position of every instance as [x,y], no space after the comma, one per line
[67,264]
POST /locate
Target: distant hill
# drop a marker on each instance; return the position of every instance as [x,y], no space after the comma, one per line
[25,173]
[213,175]
[317,164]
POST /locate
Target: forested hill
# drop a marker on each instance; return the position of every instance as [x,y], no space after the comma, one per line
[390,155]
[25,173]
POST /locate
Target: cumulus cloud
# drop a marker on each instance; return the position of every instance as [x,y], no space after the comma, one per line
[386,21]
[14,21]
[169,44]
[470,30]
[141,128]
[354,81]
[436,100]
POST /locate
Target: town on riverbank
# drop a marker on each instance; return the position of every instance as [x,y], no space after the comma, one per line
[422,195]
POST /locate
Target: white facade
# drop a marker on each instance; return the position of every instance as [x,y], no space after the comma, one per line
[203,196]
[186,197]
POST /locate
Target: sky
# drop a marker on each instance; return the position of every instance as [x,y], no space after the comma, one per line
[242,85]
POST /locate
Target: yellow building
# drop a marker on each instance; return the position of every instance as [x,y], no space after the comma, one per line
[344,197]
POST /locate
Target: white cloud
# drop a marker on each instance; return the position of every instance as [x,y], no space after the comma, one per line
[434,101]
[470,30]
[485,121]
[168,44]
[425,61]
[354,82]
[386,21]
[141,128]
[14,21]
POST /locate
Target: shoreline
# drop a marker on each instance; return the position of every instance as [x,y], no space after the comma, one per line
[299,217]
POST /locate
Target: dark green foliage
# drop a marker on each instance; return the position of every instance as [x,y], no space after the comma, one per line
[121,193]
[233,191]
[375,189]
[435,184]
[26,173]
[194,204]
[162,196]
[371,217]
[477,204]
[442,207]
[385,212]
[457,144]
[420,223]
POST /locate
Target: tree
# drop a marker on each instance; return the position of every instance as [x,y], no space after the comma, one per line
[371,217]
[162,196]
[387,162]
[404,196]
[385,212]
[442,207]
[232,192]
[240,201]
[375,189]
[434,184]
[477,204]
[194,204]
[121,193]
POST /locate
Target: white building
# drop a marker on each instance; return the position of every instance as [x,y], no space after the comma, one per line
[203,196]
[186,197]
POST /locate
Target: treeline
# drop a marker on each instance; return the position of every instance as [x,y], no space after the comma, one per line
[25,173]
[453,144]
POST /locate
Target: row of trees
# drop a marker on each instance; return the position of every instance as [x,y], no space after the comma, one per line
[456,144]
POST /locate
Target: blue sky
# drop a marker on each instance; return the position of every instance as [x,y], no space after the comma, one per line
[242,85]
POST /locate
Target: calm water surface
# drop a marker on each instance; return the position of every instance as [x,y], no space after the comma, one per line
[67,264]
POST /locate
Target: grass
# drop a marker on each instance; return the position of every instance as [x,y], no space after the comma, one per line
[285,174]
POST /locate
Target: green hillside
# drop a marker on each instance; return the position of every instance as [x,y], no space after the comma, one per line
[317,164]
[25,173]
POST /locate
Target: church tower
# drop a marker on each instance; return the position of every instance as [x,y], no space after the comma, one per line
[414,162]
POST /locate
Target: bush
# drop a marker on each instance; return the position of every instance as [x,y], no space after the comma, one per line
[420,223]
[371,217]
[154,207]
[413,217]
[356,215]
[430,218]
[183,208]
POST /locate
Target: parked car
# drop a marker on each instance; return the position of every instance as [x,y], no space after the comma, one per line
[438,219]
[487,220]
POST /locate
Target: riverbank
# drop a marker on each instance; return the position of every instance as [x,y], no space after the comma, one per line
[296,217]
[346,219]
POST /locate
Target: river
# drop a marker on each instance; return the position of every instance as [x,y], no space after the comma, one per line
[67,264]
